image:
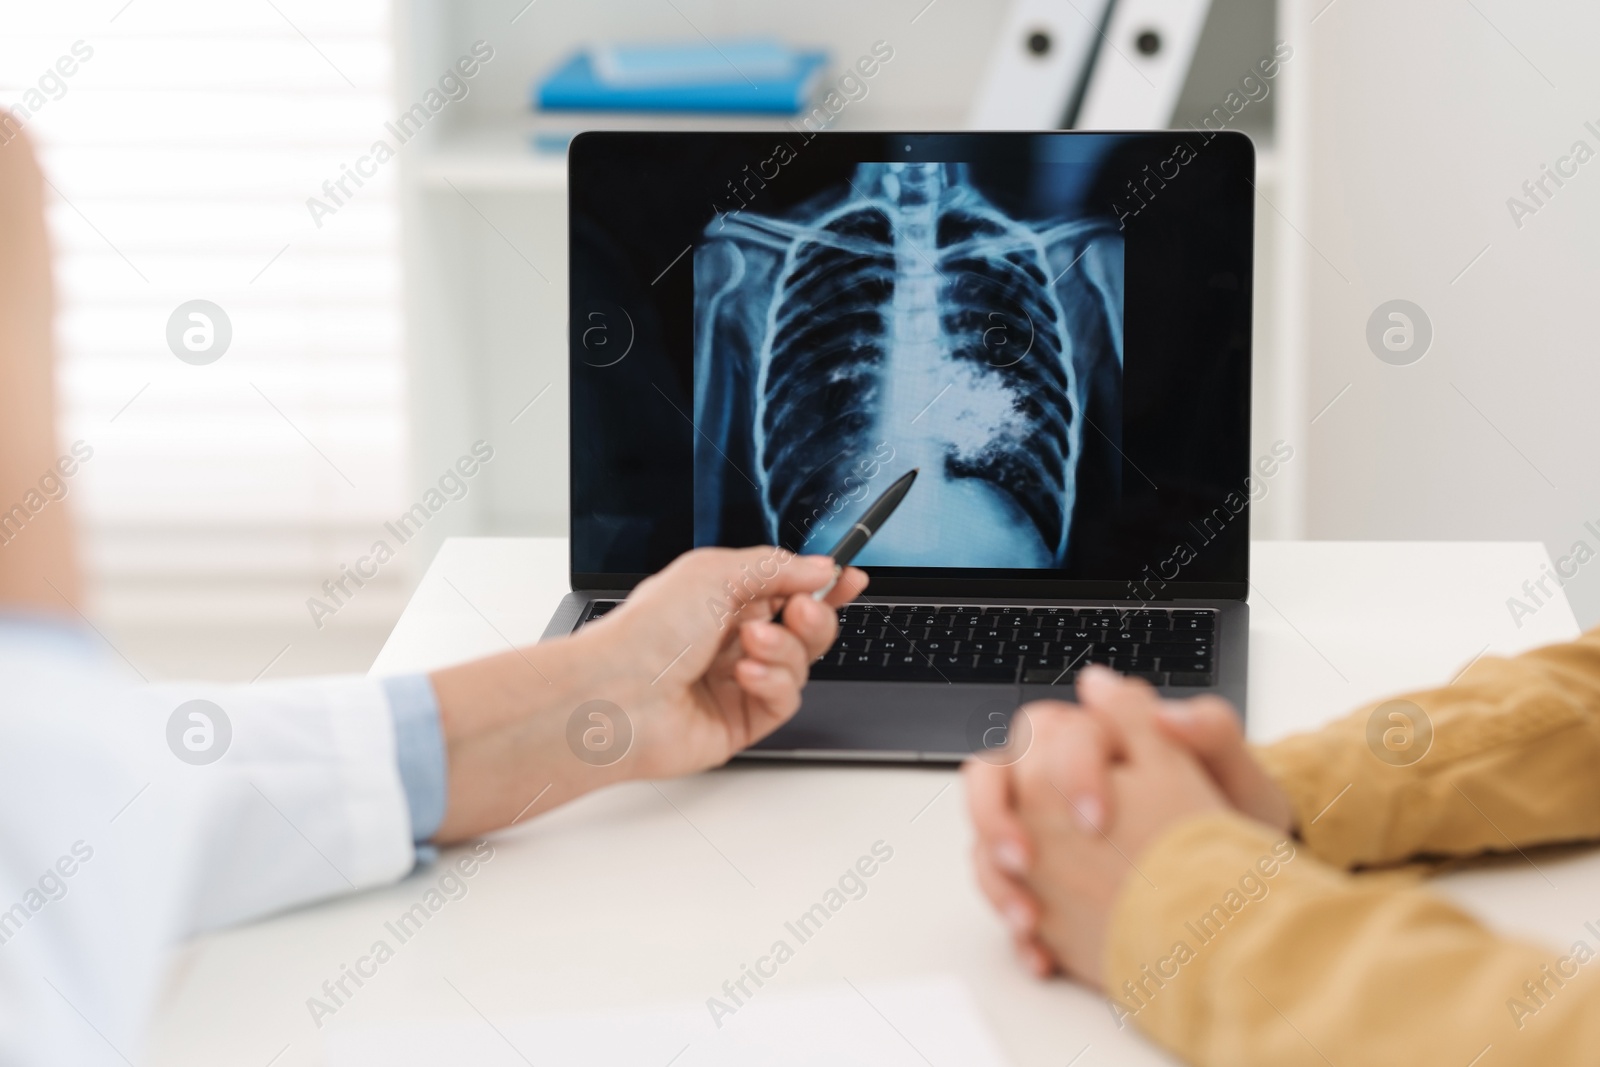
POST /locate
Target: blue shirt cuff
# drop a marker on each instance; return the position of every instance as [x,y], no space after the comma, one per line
[419,750]
[46,632]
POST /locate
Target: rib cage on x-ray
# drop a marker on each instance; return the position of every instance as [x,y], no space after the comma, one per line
[845,324]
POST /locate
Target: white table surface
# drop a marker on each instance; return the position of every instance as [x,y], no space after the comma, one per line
[649,894]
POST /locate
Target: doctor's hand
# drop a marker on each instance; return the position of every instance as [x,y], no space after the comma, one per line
[1003,855]
[688,671]
[707,671]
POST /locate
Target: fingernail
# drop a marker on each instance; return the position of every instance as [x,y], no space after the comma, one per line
[1091,813]
[1009,857]
[1018,919]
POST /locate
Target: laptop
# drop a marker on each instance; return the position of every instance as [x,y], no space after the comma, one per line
[768,328]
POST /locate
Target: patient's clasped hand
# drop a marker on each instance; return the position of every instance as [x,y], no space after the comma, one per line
[1221,896]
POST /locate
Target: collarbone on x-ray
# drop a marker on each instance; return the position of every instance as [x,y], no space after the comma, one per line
[903,307]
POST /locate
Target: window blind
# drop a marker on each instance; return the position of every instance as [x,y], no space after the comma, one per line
[182,141]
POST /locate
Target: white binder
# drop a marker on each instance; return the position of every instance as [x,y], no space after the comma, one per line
[1089,64]
[1139,71]
[1038,66]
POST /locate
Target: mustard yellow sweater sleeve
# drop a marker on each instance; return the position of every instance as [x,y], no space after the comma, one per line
[1513,759]
[1244,950]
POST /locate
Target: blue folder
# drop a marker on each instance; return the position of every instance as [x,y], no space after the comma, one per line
[575,87]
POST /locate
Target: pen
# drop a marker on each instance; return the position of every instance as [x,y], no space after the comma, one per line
[862,531]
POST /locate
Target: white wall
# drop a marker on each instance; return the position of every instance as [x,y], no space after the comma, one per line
[1425,119]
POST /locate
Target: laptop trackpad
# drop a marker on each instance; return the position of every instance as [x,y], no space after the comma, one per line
[896,721]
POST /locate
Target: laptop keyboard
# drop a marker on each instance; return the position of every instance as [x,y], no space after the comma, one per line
[963,643]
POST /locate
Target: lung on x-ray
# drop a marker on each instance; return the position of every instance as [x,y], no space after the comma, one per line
[901,319]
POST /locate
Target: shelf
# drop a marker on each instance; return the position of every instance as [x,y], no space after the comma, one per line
[494,158]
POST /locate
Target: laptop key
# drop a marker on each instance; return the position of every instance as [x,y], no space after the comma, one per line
[1184,663]
[996,668]
[1189,678]
[848,666]
[910,667]
[1178,650]
[1184,637]
[853,644]
[988,648]
[954,668]
[1207,623]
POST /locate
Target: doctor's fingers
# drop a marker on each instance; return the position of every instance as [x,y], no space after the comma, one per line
[814,623]
[777,647]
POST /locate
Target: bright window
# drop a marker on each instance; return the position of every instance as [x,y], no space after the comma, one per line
[183,147]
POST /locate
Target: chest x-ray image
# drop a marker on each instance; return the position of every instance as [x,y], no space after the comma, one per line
[901,319]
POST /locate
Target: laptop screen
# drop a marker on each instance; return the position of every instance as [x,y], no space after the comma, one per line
[767,329]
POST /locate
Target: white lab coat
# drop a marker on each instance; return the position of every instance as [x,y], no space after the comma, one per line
[112,848]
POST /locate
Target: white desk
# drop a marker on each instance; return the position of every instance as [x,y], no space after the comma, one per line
[623,899]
